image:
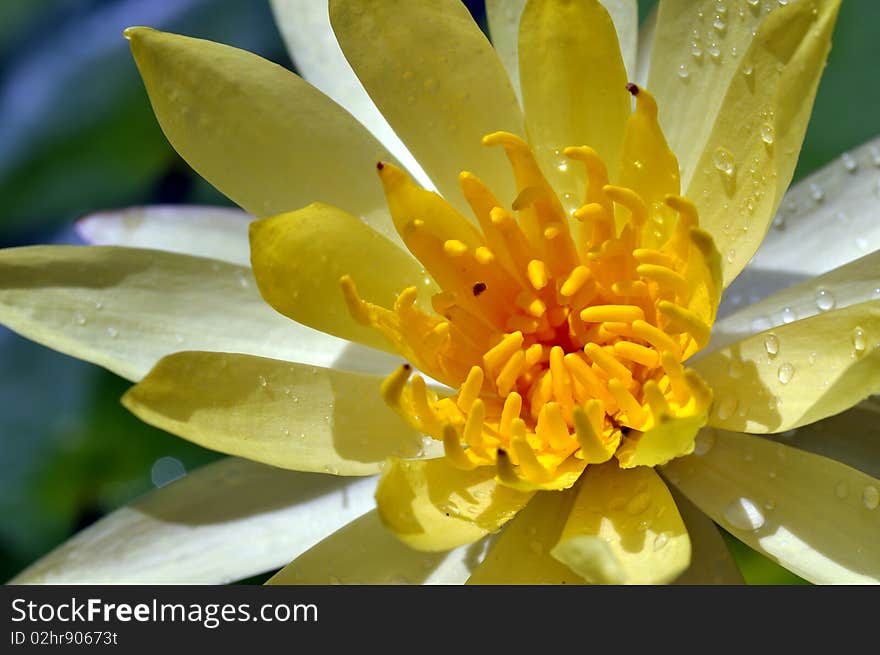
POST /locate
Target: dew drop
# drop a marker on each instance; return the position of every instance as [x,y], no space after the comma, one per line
[816,192]
[79,319]
[714,51]
[747,70]
[638,504]
[849,162]
[811,359]
[771,344]
[660,541]
[112,332]
[99,305]
[719,24]
[858,340]
[726,407]
[785,373]
[824,299]
[743,514]
[696,50]
[683,71]
[788,315]
[704,441]
[767,133]
[263,381]
[754,3]
[724,161]
[871,497]
[841,490]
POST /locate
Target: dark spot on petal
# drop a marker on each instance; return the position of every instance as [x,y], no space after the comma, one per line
[625,430]
[379,166]
[633,88]
[479,288]
[406,367]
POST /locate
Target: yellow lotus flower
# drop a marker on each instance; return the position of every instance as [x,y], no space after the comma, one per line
[557,295]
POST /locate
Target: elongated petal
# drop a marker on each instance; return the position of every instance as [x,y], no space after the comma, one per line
[711,561]
[300,257]
[738,134]
[521,554]
[851,437]
[260,134]
[645,45]
[797,373]
[573,85]
[624,528]
[124,309]
[288,415]
[503,18]
[366,552]
[788,504]
[825,221]
[305,26]
[431,506]
[437,80]
[226,521]
[852,283]
[214,232]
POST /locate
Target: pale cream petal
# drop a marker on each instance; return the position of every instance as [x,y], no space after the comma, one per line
[215,232]
[305,26]
[645,45]
[521,554]
[366,552]
[625,14]
[224,522]
[851,437]
[124,309]
[503,18]
[796,373]
[711,561]
[737,122]
[573,86]
[263,136]
[624,528]
[825,221]
[438,81]
[816,517]
[854,282]
[288,415]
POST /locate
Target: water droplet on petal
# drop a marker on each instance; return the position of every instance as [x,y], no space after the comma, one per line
[660,541]
[858,340]
[771,344]
[683,72]
[704,441]
[743,514]
[849,162]
[871,497]
[263,381]
[724,161]
[785,373]
[767,133]
[816,192]
[824,299]
[788,315]
[79,319]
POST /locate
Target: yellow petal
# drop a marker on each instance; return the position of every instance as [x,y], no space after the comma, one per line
[796,373]
[431,506]
[503,19]
[288,415]
[711,561]
[227,521]
[435,77]
[521,554]
[215,232]
[260,134]
[299,258]
[124,309]
[816,517]
[366,552]
[841,287]
[624,528]
[747,158]
[305,26]
[573,85]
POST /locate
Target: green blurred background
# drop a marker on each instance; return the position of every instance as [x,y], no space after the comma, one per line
[77,135]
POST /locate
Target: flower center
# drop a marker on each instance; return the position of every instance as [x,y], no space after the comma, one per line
[563,333]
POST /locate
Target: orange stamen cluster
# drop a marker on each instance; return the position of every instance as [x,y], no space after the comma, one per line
[562,344]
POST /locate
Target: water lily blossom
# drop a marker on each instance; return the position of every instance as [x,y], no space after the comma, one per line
[504,267]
